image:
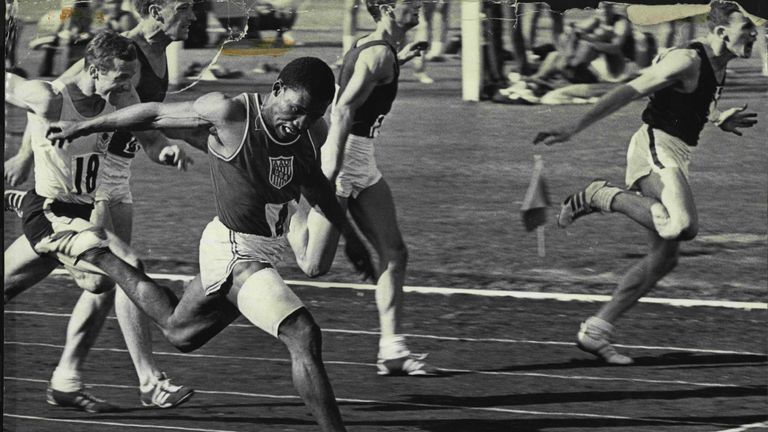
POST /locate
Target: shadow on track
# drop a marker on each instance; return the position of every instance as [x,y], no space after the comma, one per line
[690,360]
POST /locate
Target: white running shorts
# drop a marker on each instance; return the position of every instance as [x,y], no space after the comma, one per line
[221,248]
[359,170]
[115,184]
[652,150]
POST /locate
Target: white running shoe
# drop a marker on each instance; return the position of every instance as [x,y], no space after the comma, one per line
[166,395]
[410,365]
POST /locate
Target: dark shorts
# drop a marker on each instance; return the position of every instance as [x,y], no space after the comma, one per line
[37,211]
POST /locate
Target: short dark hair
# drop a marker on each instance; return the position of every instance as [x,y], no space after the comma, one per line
[373,7]
[311,74]
[107,46]
[720,13]
[142,6]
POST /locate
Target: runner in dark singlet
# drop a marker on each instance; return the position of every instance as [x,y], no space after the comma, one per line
[684,85]
[367,86]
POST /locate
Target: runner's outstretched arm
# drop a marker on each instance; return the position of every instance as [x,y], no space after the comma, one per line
[200,113]
[676,66]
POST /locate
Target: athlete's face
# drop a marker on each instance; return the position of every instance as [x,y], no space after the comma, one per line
[115,80]
[739,35]
[292,111]
[175,17]
[405,13]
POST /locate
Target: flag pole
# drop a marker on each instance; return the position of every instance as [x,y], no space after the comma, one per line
[541,247]
[540,237]
[534,207]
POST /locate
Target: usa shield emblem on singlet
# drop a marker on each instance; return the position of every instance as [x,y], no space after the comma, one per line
[280,171]
[102,142]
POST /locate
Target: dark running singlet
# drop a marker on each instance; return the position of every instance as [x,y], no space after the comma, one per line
[254,186]
[150,88]
[684,115]
[368,117]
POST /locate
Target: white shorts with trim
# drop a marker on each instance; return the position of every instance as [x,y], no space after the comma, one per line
[651,150]
[221,248]
[119,193]
[359,170]
[115,184]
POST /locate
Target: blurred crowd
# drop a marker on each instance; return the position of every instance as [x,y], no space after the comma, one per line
[63,33]
[578,60]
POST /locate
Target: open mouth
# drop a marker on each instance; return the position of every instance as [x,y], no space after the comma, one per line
[288,130]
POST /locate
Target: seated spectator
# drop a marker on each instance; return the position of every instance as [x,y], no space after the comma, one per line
[114,17]
[247,23]
[600,49]
[68,30]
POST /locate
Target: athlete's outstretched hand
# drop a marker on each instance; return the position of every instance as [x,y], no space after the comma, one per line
[174,155]
[413,49]
[358,254]
[61,132]
[554,136]
[17,170]
[735,118]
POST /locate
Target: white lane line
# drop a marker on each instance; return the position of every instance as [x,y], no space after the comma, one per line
[495,293]
[422,405]
[746,427]
[108,423]
[459,339]
[372,365]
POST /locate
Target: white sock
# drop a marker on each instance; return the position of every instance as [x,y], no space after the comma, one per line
[599,324]
[66,380]
[146,388]
[153,381]
[393,347]
[604,197]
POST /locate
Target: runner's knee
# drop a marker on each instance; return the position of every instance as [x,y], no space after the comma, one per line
[300,333]
[190,333]
[314,270]
[680,226]
[184,340]
[93,282]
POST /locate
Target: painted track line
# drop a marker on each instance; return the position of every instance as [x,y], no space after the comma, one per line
[108,423]
[372,366]
[343,400]
[460,339]
[746,427]
[494,293]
